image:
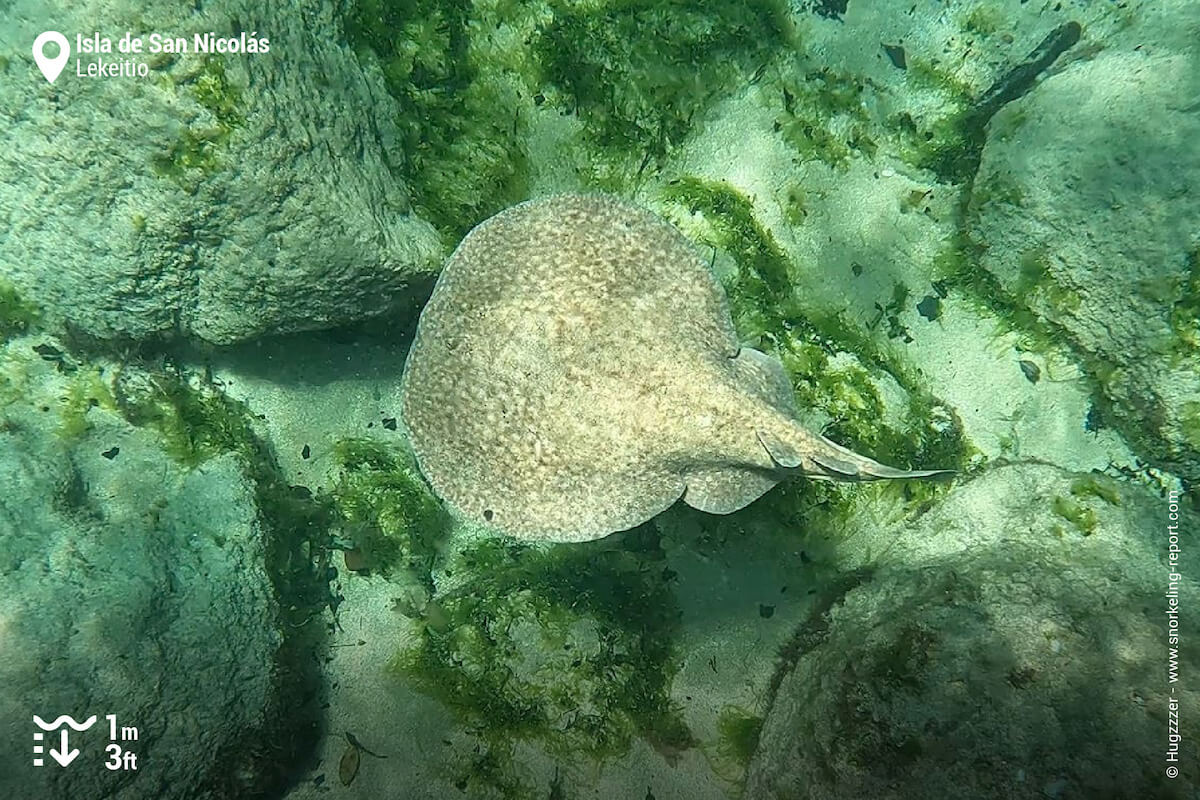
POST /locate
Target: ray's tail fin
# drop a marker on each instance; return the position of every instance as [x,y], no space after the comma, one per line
[818,457]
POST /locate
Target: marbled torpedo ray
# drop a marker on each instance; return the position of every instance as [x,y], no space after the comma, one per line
[575,372]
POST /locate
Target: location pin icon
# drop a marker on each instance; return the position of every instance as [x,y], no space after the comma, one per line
[51,67]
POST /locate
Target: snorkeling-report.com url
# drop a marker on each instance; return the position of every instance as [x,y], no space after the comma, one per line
[1174,579]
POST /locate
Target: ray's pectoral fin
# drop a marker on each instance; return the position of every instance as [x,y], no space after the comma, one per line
[723,490]
[780,451]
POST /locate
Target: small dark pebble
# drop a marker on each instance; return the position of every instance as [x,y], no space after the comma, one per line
[389,423]
[48,352]
[370,424]
[317,781]
[930,307]
[487,514]
[1032,373]
[765,611]
[856,269]
[895,54]
[111,453]
[306,452]
[355,560]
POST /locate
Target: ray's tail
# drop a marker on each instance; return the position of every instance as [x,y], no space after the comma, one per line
[818,457]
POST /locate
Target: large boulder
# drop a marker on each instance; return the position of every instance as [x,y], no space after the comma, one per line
[130,585]
[1086,211]
[220,197]
[1016,645]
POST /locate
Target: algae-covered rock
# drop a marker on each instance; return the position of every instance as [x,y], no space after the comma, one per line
[1084,209]
[1015,645]
[219,196]
[130,585]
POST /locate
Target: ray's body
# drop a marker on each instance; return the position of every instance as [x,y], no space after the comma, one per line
[575,372]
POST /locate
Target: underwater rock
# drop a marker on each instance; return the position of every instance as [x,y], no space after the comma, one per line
[1084,211]
[1013,645]
[576,372]
[220,197]
[134,587]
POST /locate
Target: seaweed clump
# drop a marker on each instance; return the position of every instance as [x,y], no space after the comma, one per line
[824,117]
[637,73]
[17,315]
[461,90]
[198,152]
[570,646]
[1185,313]
[739,731]
[393,520]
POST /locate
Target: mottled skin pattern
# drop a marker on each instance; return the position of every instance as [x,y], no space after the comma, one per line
[576,372]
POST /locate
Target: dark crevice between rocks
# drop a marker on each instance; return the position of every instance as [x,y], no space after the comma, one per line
[814,630]
[959,165]
[830,9]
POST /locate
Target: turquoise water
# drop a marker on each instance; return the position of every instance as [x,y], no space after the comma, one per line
[487,399]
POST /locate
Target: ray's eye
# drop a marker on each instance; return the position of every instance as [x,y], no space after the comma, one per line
[487,514]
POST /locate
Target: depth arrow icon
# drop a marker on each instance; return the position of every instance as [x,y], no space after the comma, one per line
[63,755]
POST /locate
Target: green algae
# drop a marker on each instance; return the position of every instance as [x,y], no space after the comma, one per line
[87,388]
[998,188]
[956,266]
[17,315]
[1096,485]
[824,117]
[1078,507]
[1037,283]
[213,90]
[461,92]
[1082,517]
[199,149]
[813,141]
[194,418]
[950,144]
[389,513]
[739,731]
[570,646]
[471,77]
[984,21]
[639,73]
